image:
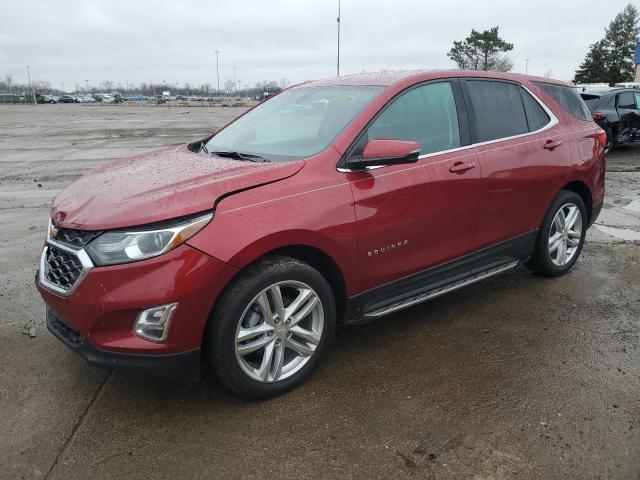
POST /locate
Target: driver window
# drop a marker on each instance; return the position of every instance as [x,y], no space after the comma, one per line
[425,114]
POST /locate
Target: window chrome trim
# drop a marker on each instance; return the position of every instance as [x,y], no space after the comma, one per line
[553,121]
[81,255]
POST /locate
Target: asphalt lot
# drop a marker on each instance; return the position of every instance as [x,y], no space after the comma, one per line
[515,377]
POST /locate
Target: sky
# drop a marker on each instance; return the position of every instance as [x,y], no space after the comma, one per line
[70,41]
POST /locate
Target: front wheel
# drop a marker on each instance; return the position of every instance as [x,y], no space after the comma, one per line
[561,237]
[271,327]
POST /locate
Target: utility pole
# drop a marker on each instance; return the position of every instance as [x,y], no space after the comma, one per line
[338,19]
[218,71]
[234,80]
[30,87]
[526,67]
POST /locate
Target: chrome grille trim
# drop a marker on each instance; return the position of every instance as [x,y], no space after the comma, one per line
[81,255]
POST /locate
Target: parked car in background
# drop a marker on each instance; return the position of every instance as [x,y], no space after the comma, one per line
[617,111]
[49,99]
[103,97]
[247,247]
[635,85]
[68,99]
[181,97]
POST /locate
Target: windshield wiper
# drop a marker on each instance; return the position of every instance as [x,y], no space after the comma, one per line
[240,156]
[203,148]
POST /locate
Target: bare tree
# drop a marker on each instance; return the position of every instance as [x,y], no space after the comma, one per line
[283,82]
[228,86]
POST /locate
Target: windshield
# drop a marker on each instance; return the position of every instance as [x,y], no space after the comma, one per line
[297,123]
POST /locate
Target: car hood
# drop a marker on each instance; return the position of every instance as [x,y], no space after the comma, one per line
[156,186]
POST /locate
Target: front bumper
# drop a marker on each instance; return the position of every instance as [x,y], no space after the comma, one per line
[102,308]
[184,367]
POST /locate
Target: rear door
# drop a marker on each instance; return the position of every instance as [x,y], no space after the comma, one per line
[519,146]
[414,216]
[629,116]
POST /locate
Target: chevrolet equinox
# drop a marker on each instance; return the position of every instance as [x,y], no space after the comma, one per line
[334,201]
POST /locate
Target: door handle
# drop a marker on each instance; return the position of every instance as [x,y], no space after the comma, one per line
[461,167]
[551,144]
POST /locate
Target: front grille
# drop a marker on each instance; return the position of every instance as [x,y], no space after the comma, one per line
[63,331]
[73,238]
[62,268]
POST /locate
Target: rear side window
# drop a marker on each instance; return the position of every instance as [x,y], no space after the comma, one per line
[569,98]
[627,101]
[498,109]
[536,115]
[425,114]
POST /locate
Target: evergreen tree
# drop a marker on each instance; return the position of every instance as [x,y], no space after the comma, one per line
[611,59]
[621,38]
[482,51]
[594,68]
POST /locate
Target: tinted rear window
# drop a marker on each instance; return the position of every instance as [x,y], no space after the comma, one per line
[569,98]
[498,109]
[592,101]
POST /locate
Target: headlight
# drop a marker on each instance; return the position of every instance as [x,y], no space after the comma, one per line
[123,246]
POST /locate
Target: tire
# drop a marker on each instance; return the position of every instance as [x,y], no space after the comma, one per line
[249,308]
[610,141]
[548,259]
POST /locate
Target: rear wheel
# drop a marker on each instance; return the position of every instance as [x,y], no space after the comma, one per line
[608,146]
[561,236]
[271,327]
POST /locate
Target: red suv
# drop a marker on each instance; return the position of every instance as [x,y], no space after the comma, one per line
[333,201]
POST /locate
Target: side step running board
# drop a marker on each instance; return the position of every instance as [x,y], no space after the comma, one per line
[436,292]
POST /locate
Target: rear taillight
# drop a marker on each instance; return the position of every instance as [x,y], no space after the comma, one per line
[599,116]
[602,138]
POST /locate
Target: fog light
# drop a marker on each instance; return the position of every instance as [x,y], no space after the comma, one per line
[153,324]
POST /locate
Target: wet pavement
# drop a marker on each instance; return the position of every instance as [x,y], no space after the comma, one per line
[516,377]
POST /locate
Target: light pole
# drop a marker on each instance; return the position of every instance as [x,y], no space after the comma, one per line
[218,71]
[234,80]
[30,87]
[526,67]
[338,20]
[86,86]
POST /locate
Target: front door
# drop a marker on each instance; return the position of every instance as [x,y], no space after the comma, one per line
[411,217]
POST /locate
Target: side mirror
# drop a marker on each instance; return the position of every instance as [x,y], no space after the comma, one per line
[386,151]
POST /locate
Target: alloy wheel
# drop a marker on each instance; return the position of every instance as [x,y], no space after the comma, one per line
[565,234]
[279,331]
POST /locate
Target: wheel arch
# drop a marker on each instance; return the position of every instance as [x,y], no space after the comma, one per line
[313,255]
[325,264]
[584,191]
